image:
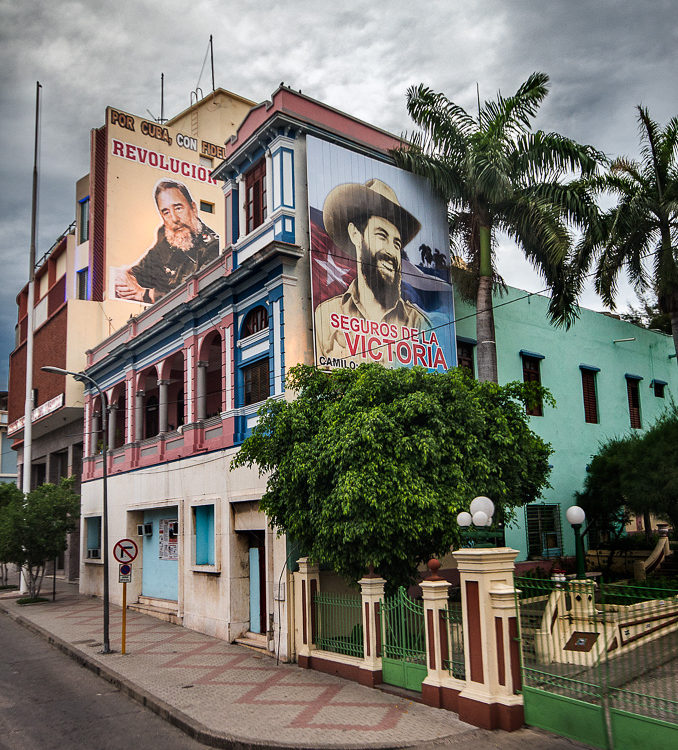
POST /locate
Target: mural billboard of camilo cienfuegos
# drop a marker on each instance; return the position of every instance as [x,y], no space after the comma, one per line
[380,264]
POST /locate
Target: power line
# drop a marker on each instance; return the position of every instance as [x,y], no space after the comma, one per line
[233,389]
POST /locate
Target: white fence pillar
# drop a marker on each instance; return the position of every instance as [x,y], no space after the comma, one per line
[490,639]
[308,585]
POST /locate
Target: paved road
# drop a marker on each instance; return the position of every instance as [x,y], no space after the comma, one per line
[48,702]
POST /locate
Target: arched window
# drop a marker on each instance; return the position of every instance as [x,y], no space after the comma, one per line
[256,320]
[152,416]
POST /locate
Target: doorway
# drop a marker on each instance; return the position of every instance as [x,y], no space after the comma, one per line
[160,576]
[257,566]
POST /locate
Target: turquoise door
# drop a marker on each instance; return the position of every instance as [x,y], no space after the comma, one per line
[255,599]
[257,582]
[160,577]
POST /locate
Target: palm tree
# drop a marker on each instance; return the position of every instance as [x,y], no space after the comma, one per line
[644,223]
[498,175]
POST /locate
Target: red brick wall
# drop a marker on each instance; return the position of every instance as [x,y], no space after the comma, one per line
[98,211]
[49,348]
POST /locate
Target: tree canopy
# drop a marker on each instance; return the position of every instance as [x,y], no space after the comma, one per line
[33,530]
[498,175]
[371,466]
[638,472]
[8,492]
[639,234]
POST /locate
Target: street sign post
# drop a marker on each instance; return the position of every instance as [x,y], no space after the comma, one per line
[124,552]
[124,577]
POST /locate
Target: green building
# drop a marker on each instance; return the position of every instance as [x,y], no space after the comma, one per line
[608,377]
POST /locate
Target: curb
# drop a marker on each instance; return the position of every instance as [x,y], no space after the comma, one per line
[195,729]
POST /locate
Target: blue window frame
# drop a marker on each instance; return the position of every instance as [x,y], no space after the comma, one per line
[93,536]
[203,516]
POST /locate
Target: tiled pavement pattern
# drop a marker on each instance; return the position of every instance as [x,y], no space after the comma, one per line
[220,692]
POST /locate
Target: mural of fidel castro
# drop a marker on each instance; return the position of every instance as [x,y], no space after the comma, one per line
[183,245]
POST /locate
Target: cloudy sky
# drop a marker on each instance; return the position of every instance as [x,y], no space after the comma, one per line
[603,57]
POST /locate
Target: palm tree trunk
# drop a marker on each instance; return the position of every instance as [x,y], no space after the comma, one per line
[674,331]
[487,348]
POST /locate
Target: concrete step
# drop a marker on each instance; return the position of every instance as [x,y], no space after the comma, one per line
[154,601]
[161,612]
[255,641]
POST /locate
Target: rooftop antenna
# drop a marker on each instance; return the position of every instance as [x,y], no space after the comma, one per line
[160,119]
[212,61]
[197,91]
[162,99]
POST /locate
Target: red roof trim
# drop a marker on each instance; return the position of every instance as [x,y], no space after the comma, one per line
[294,104]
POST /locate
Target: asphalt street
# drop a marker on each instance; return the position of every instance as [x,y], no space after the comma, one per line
[48,702]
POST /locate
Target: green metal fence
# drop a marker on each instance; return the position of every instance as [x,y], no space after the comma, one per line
[600,661]
[455,663]
[339,624]
[403,642]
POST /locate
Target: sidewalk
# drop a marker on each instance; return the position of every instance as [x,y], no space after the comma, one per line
[230,696]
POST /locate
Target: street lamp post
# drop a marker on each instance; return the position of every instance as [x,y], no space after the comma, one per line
[576,516]
[82,378]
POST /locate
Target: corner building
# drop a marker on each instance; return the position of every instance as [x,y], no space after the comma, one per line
[185,378]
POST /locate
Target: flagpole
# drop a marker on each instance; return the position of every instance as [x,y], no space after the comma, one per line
[29,405]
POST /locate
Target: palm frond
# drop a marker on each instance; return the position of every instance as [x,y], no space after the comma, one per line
[504,118]
[551,155]
[651,137]
[444,176]
[434,112]
[632,169]
[668,151]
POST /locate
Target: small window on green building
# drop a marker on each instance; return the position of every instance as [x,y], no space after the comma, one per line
[658,387]
[532,374]
[465,349]
[203,526]
[544,536]
[633,396]
[588,385]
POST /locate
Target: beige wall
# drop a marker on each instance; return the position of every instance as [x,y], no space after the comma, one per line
[215,117]
[211,601]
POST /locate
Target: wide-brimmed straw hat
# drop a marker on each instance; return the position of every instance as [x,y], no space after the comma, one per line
[375,198]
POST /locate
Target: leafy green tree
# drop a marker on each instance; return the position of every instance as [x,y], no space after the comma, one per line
[603,496]
[498,176]
[34,530]
[8,492]
[638,473]
[371,466]
[640,234]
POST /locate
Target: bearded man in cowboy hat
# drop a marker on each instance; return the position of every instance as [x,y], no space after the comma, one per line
[368,221]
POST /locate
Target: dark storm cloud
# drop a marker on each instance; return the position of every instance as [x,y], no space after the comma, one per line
[603,57]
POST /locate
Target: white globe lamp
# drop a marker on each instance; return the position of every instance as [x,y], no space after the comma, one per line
[480,518]
[482,503]
[464,519]
[575,515]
